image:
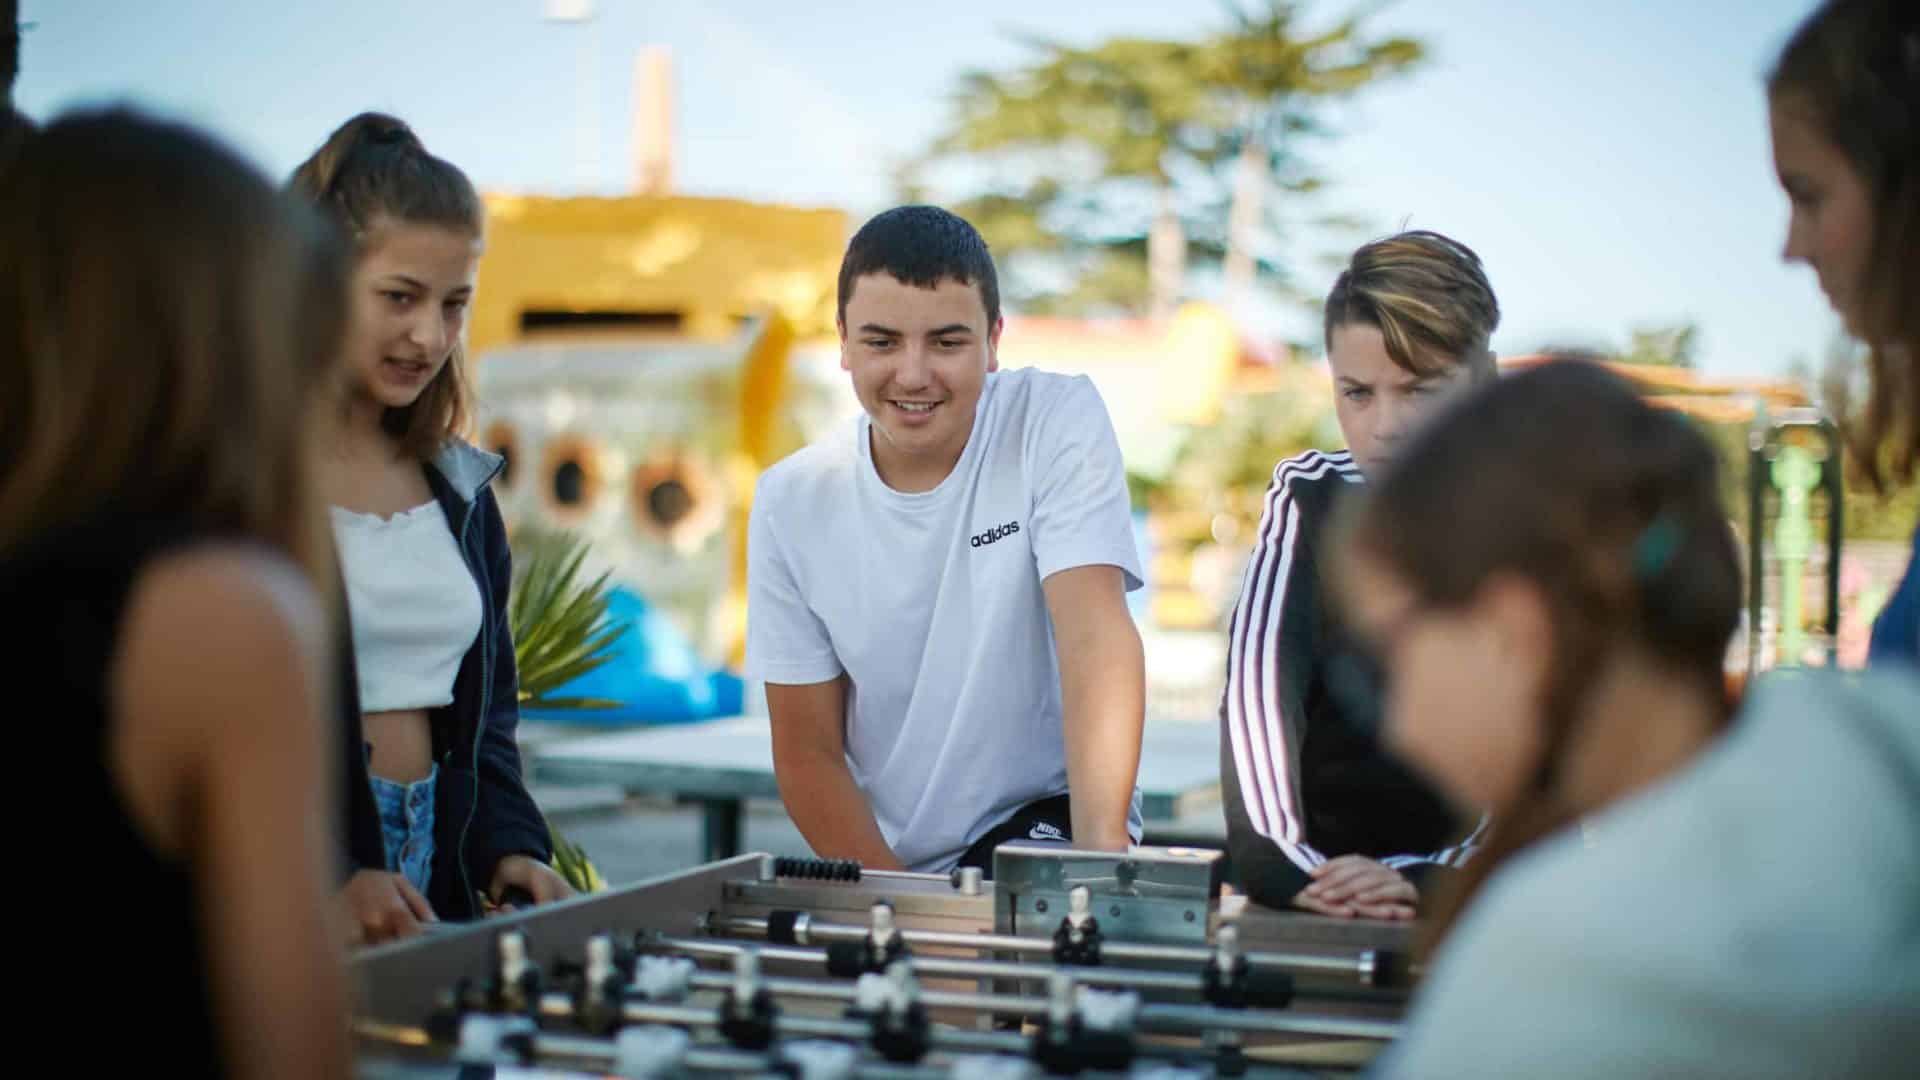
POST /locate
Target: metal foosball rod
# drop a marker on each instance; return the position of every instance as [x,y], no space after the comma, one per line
[1240,988]
[1149,1014]
[1159,1016]
[872,994]
[656,995]
[1131,978]
[1367,968]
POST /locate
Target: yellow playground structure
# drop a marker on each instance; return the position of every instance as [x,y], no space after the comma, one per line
[634,362]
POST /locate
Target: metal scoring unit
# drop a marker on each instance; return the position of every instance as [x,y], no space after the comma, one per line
[1067,962]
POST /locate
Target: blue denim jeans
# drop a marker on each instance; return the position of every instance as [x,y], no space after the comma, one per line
[406,820]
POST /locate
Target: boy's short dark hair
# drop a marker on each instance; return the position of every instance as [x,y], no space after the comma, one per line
[920,246]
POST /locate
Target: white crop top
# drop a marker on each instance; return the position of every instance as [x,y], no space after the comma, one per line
[414,605]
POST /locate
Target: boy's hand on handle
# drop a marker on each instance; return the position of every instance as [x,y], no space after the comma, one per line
[1354,886]
[378,906]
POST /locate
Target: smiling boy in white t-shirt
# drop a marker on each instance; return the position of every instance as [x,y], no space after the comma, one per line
[936,599]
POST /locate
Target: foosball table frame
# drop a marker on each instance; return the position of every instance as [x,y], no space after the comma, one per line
[1066,961]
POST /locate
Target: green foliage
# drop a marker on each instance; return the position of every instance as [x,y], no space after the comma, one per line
[1253,433]
[1673,345]
[560,626]
[560,632]
[1867,514]
[570,862]
[1065,162]
[1223,467]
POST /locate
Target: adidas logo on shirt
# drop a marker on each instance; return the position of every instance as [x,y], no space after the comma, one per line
[998,532]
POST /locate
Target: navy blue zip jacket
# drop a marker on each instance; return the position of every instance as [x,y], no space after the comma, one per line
[482,812]
[1896,633]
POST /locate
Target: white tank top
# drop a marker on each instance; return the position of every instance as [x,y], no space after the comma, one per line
[414,605]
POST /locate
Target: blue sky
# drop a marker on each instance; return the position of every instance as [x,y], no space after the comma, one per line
[1608,159]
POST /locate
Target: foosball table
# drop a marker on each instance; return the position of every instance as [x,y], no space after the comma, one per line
[1065,962]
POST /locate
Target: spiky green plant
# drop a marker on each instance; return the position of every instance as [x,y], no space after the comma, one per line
[560,626]
[560,632]
[570,862]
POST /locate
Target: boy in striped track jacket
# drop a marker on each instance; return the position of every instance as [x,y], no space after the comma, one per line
[1319,816]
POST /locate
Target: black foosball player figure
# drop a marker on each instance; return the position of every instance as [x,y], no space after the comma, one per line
[1077,940]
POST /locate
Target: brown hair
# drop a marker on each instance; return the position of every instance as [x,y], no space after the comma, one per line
[15,130]
[372,171]
[166,317]
[1563,476]
[9,50]
[1429,297]
[1853,69]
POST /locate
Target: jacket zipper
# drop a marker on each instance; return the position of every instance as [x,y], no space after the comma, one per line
[486,691]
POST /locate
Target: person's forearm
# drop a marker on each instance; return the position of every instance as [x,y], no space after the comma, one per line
[1103,686]
[830,809]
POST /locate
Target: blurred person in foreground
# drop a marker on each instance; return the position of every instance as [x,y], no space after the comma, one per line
[166,321]
[1696,937]
[1556,655]
[1549,585]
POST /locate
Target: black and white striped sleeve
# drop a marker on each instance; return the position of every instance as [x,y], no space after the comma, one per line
[1270,654]
[1451,858]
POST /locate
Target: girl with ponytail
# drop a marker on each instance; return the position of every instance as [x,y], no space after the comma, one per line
[439,823]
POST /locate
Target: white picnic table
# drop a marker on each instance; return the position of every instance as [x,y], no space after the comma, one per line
[718,765]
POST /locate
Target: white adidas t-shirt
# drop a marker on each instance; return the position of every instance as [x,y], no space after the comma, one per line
[931,602]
